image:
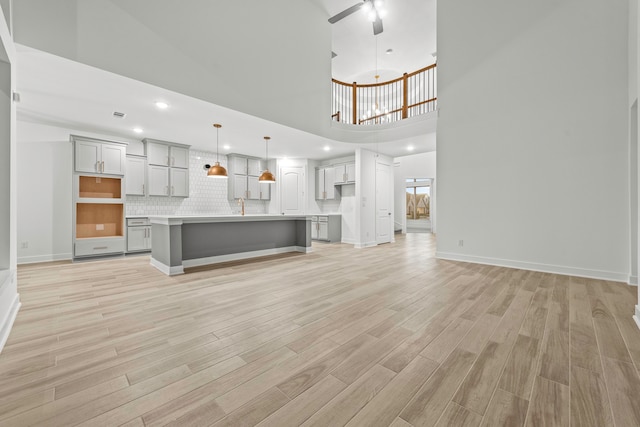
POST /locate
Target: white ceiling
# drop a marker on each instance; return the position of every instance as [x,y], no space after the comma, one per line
[71,95]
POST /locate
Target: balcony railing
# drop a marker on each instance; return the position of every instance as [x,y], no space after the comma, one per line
[366,104]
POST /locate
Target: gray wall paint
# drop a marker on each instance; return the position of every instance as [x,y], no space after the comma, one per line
[533,133]
[5,165]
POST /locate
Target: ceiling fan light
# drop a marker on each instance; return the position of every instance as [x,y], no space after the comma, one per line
[367,6]
[382,13]
[372,15]
[378,4]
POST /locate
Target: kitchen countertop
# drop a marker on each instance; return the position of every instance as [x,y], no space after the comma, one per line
[186,219]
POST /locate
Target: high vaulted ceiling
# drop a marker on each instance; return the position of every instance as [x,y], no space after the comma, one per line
[71,92]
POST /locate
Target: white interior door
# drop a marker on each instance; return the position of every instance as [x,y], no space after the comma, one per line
[383,203]
[292,190]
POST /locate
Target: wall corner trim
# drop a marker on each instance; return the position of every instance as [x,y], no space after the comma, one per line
[7,322]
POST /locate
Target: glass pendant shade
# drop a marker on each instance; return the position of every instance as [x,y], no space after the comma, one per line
[217,171]
[267,176]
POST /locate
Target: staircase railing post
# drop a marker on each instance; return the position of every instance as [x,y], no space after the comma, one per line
[355,102]
[405,96]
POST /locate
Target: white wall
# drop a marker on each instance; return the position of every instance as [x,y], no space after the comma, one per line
[532,135]
[421,165]
[634,94]
[9,298]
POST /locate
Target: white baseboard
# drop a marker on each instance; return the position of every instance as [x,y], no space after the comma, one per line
[243,255]
[545,268]
[637,316]
[10,316]
[349,241]
[633,280]
[364,245]
[44,258]
[169,271]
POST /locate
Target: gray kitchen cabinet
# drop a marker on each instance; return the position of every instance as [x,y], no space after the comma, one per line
[138,234]
[243,178]
[99,157]
[168,168]
[325,183]
[158,177]
[345,173]
[326,228]
[136,175]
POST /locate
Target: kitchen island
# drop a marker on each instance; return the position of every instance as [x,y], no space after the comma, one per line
[179,242]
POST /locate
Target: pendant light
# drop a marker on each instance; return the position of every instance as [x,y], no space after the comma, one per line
[217,171]
[266,175]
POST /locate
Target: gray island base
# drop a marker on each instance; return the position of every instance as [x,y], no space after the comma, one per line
[179,242]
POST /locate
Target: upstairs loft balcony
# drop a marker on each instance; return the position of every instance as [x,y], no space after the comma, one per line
[411,95]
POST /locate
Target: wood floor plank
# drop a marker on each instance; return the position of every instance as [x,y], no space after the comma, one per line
[428,404]
[506,409]
[519,372]
[457,416]
[589,399]
[549,404]
[298,410]
[623,385]
[478,386]
[115,342]
[344,406]
[388,403]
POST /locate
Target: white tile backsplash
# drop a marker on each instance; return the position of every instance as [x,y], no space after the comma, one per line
[207,196]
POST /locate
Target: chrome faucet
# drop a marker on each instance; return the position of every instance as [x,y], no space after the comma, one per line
[241,203]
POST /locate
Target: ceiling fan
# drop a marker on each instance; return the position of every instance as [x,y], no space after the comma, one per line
[374,9]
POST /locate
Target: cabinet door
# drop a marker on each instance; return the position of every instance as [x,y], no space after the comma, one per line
[265,191]
[320,184]
[87,156]
[340,174]
[137,238]
[113,159]
[329,183]
[323,230]
[314,230]
[238,165]
[351,172]
[157,154]
[158,177]
[179,182]
[254,167]
[239,186]
[179,157]
[253,188]
[135,176]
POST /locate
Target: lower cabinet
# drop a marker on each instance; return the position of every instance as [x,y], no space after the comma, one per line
[327,228]
[138,234]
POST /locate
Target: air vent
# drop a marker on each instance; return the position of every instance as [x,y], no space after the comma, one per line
[119,115]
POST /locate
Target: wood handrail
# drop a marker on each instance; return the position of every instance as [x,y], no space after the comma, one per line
[397,110]
[387,82]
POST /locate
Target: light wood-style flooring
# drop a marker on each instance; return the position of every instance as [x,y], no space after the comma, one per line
[385,336]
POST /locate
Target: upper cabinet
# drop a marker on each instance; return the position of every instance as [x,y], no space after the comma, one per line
[345,173]
[162,154]
[168,168]
[99,157]
[136,176]
[325,182]
[243,178]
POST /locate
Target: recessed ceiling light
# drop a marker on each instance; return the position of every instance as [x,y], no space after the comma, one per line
[138,130]
[162,105]
[388,51]
[410,148]
[226,146]
[326,148]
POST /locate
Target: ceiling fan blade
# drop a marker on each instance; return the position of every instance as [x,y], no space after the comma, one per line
[377,26]
[345,13]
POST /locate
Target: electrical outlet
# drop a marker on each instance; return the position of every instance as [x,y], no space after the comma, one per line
[461,243]
[24,245]
[98,180]
[99,227]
